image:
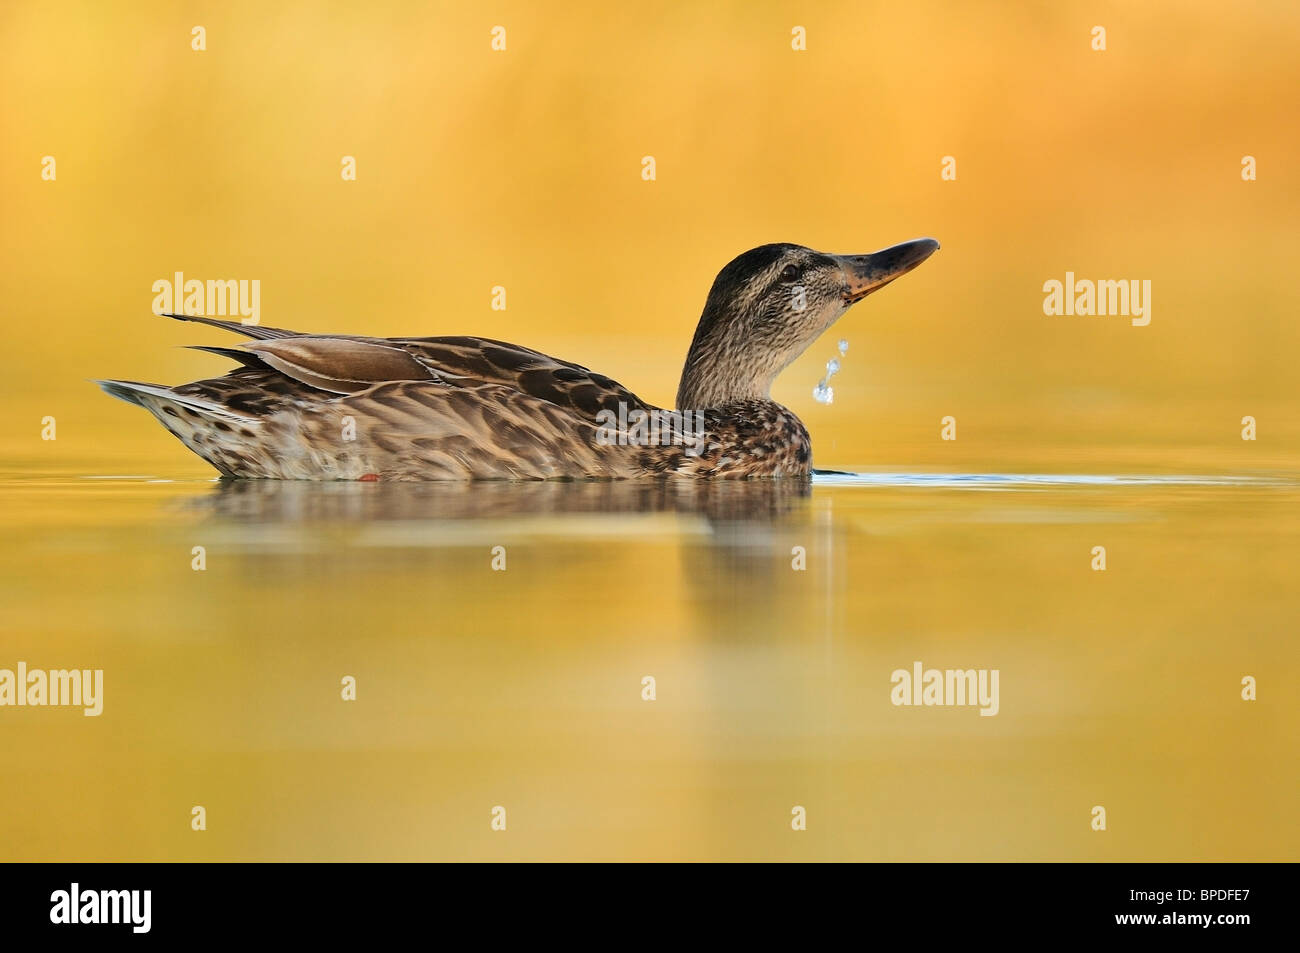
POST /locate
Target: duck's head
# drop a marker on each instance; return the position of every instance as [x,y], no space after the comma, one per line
[768,305]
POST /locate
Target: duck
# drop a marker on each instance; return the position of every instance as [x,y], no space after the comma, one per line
[302,406]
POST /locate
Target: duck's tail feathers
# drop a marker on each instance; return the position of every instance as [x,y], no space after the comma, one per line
[247,358]
[153,396]
[239,327]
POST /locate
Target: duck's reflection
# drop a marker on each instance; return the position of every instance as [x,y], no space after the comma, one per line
[275,501]
[736,536]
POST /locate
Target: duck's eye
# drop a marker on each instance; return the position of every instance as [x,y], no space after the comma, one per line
[790,272]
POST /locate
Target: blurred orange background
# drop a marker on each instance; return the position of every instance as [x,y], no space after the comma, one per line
[522,168]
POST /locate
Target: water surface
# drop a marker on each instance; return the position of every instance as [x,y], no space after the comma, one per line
[523,688]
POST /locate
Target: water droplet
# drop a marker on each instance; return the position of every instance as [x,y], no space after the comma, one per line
[844,346]
[832,367]
[823,394]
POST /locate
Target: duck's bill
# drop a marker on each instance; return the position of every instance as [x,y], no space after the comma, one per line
[867,273]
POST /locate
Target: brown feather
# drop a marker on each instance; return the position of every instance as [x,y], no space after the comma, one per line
[238,327]
[340,365]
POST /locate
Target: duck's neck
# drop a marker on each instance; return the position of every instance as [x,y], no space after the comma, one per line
[703,387]
[720,370]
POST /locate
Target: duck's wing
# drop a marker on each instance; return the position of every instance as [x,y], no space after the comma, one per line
[339,365]
[470,361]
[346,364]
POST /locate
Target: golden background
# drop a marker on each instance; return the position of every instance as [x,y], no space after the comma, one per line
[522,168]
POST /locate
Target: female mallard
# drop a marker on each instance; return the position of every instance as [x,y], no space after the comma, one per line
[344,407]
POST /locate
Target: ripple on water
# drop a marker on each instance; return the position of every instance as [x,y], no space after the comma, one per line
[1026,480]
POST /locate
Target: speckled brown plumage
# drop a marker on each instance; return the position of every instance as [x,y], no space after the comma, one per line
[346,407]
